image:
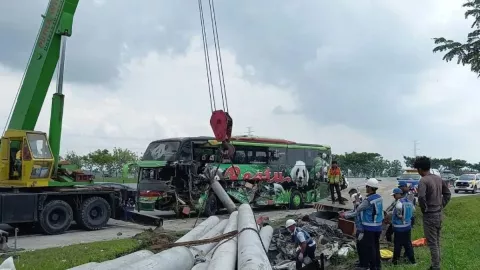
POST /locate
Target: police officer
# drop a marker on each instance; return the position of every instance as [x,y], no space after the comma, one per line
[303,240]
[370,212]
[402,215]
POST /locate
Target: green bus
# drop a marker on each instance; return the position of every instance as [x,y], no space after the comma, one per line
[262,172]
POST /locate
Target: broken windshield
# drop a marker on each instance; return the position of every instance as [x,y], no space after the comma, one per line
[161,151]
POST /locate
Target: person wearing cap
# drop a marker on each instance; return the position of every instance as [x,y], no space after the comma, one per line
[303,239]
[370,212]
[407,193]
[402,226]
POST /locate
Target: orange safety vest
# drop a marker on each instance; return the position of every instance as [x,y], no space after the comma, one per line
[334,175]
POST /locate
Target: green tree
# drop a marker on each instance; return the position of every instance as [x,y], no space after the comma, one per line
[101,159]
[395,168]
[467,53]
[120,157]
[74,159]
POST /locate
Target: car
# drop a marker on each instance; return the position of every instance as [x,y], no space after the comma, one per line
[467,182]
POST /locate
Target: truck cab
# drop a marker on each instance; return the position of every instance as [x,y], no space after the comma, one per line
[27,159]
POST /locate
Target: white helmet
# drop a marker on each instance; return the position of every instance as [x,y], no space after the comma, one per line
[290,222]
[372,182]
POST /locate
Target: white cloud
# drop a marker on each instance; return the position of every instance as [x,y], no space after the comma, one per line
[165,95]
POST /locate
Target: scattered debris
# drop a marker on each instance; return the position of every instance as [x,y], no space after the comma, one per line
[330,241]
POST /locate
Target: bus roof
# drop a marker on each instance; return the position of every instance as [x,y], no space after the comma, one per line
[270,142]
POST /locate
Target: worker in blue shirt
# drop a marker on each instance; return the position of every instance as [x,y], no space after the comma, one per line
[370,212]
[402,214]
[407,193]
[303,239]
[356,200]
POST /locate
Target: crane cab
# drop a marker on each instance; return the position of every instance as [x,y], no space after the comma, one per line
[26,159]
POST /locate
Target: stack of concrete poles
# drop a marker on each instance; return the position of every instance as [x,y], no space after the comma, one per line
[243,251]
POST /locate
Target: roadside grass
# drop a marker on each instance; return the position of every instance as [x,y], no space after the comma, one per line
[61,258]
[460,244]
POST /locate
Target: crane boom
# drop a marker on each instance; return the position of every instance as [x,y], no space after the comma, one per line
[57,22]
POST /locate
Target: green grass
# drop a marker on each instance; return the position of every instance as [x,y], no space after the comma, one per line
[61,258]
[459,241]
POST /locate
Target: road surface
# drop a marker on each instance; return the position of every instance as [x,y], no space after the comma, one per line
[119,229]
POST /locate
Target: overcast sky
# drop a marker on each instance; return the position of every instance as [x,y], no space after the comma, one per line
[356,75]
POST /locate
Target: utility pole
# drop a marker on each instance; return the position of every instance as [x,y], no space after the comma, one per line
[249,131]
[415,148]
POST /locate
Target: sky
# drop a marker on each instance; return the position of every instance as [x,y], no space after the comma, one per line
[355,75]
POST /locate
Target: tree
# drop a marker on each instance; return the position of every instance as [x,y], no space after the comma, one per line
[120,158]
[74,159]
[395,168]
[101,159]
[467,53]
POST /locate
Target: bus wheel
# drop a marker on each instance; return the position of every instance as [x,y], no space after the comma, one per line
[94,213]
[296,200]
[211,205]
[56,217]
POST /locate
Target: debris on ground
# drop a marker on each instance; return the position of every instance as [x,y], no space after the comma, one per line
[330,241]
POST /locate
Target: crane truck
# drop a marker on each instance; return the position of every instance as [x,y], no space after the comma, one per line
[34,188]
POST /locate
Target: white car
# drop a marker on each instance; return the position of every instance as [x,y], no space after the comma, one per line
[469,182]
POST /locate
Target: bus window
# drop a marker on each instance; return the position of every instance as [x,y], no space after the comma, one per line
[294,155]
[257,156]
[240,157]
[277,156]
[186,151]
[310,155]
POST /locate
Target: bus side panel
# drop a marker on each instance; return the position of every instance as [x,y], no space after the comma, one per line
[17,208]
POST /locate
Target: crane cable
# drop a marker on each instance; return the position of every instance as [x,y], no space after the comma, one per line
[218,57]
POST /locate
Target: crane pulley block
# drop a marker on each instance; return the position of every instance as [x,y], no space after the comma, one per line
[221,124]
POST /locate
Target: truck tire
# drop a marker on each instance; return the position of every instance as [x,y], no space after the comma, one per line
[94,213]
[56,217]
[211,205]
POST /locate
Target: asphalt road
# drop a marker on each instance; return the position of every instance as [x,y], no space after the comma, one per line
[119,229]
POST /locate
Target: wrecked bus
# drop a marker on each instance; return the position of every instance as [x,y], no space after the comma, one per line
[263,172]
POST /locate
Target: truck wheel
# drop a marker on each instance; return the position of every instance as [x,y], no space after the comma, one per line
[94,213]
[211,205]
[456,190]
[56,217]
[474,190]
[296,200]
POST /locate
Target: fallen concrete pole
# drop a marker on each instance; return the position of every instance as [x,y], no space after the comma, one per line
[224,255]
[251,255]
[124,260]
[202,250]
[223,196]
[266,234]
[87,266]
[177,258]
[200,230]
[202,266]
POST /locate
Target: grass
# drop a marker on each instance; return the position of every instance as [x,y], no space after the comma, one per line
[61,258]
[459,237]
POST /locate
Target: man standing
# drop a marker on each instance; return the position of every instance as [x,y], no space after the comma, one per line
[303,240]
[433,196]
[334,179]
[356,200]
[370,212]
[407,193]
[402,214]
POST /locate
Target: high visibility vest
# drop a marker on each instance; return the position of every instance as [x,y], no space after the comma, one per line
[372,217]
[334,175]
[403,223]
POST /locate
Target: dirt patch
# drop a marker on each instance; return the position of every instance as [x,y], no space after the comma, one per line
[161,239]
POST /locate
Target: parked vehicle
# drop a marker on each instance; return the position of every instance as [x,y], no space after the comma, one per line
[469,182]
[411,178]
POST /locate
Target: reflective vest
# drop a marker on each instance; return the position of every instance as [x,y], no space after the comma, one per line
[308,239]
[334,175]
[372,217]
[358,219]
[403,223]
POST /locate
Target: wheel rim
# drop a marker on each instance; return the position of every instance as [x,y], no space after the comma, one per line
[296,200]
[57,218]
[96,213]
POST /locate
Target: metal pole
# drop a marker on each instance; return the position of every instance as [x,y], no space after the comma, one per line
[61,65]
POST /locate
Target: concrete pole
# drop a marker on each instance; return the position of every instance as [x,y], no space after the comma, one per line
[266,234]
[223,196]
[202,250]
[225,256]
[176,258]
[201,266]
[251,255]
[200,230]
